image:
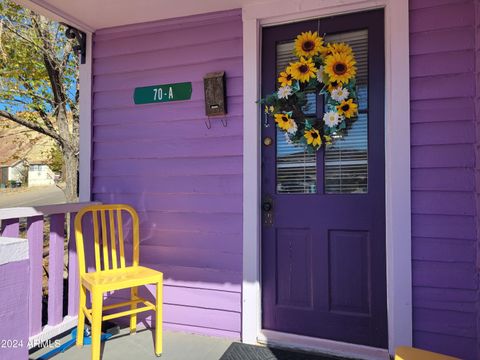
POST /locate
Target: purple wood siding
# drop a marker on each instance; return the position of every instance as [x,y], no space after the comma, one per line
[184,179]
[443,140]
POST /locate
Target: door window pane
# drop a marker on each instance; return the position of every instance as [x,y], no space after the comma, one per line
[346,161]
[296,168]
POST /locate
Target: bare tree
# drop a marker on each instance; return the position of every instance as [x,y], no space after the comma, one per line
[39,86]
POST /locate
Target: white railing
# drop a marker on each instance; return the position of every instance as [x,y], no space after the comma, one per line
[37,218]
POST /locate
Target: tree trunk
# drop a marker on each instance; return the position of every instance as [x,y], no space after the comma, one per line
[71,167]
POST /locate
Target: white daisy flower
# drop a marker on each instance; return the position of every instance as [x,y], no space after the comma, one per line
[320,74]
[284,92]
[339,94]
[287,139]
[293,129]
[332,119]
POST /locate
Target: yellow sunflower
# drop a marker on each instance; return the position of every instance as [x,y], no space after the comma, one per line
[325,51]
[308,44]
[341,48]
[347,108]
[313,137]
[284,121]
[336,48]
[286,78]
[340,67]
[334,85]
[303,70]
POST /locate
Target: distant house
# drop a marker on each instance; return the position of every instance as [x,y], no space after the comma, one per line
[24,153]
[13,172]
[40,174]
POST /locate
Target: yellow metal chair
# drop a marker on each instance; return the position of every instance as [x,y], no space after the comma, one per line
[410,353]
[115,277]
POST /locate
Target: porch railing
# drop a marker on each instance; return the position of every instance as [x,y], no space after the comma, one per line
[31,222]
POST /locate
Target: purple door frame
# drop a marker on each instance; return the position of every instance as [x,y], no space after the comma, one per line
[324,258]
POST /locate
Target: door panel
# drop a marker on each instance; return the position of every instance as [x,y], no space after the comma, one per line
[349,289]
[323,240]
[294,268]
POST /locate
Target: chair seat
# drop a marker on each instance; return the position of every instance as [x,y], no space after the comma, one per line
[121,278]
[410,353]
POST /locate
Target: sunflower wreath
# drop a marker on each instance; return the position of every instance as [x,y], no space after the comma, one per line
[325,68]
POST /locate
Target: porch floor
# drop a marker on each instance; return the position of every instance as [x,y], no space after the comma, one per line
[176,345]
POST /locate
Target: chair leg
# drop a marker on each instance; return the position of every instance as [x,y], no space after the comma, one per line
[82,303]
[97,303]
[159,319]
[133,317]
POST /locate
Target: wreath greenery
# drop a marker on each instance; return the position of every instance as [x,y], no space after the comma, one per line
[328,69]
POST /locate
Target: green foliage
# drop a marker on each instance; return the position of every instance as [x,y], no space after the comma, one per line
[26,41]
[55,159]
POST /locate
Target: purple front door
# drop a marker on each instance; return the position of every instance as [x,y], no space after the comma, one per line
[323,236]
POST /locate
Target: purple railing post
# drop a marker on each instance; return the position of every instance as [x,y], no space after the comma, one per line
[72,270]
[55,269]
[35,252]
[10,228]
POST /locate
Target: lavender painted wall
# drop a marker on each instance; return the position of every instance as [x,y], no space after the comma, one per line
[443,138]
[184,179]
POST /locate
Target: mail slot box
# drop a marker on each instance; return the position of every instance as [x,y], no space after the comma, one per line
[215,93]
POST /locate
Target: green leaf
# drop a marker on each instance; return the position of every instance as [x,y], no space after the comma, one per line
[295,86]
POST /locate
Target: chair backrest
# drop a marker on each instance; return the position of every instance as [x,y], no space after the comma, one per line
[114,230]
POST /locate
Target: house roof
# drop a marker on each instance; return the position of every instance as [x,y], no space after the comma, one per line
[17,143]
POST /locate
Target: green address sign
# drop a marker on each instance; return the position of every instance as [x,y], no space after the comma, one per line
[163,93]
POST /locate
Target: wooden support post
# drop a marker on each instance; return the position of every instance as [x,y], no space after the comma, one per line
[55,269]
[35,251]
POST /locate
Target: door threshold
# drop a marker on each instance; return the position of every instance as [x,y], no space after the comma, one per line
[324,346]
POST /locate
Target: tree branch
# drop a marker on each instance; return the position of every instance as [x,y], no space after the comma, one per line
[32,126]
[39,109]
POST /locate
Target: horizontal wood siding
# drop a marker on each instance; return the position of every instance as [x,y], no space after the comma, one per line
[184,180]
[444,206]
